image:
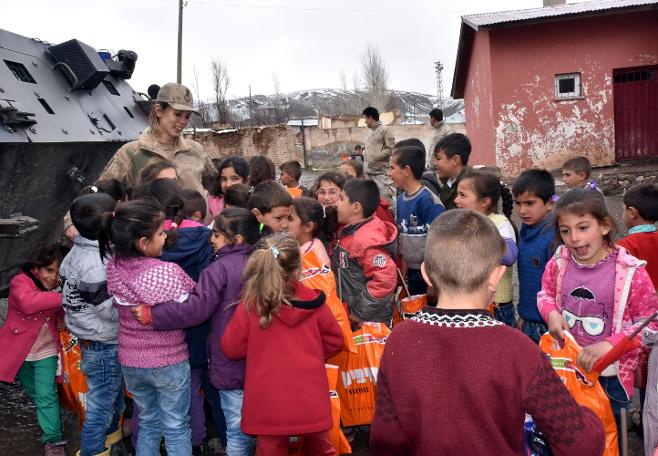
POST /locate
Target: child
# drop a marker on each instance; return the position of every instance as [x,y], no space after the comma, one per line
[291,172]
[480,191]
[363,258]
[640,216]
[576,172]
[236,196]
[91,317]
[596,291]
[113,187]
[271,204]
[352,169]
[328,188]
[154,363]
[214,297]
[313,226]
[480,393]
[451,153]
[285,332]
[161,169]
[261,169]
[233,170]
[194,207]
[30,340]
[533,192]
[415,210]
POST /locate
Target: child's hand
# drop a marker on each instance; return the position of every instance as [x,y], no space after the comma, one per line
[142,314]
[557,324]
[591,354]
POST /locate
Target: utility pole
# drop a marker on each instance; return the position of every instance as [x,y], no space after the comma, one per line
[438,68]
[179,63]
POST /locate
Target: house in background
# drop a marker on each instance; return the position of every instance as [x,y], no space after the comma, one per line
[544,84]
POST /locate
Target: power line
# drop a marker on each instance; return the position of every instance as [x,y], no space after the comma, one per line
[321,10]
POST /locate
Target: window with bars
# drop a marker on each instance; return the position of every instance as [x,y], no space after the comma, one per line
[20,72]
[567,86]
[634,76]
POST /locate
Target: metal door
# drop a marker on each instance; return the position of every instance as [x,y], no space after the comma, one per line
[636,112]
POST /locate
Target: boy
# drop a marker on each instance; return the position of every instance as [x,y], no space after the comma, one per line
[576,172]
[236,196]
[640,216]
[451,346]
[451,153]
[415,210]
[366,274]
[533,192]
[90,316]
[195,206]
[291,172]
[271,204]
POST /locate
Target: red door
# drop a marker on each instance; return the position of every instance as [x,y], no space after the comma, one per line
[636,112]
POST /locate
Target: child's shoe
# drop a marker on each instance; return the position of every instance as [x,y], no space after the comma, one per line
[54,448]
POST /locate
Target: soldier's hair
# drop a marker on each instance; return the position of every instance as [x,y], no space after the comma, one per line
[371,112]
[267,195]
[537,182]
[324,219]
[292,167]
[269,272]
[86,212]
[235,221]
[130,221]
[356,165]
[261,169]
[437,114]
[154,121]
[578,165]
[113,187]
[237,196]
[462,249]
[410,152]
[150,172]
[644,198]
[454,144]
[364,192]
[194,202]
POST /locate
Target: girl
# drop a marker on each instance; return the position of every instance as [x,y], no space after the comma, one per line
[352,168]
[480,191]
[595,290]
[233,170]
[285,332]
[30,340]
[261,169]
[328,187]
[161,169]
[154,363]
[235,231]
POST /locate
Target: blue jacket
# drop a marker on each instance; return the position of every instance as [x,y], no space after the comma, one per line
[216,296]
[535,249]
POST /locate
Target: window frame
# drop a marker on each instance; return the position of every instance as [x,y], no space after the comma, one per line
[577,93]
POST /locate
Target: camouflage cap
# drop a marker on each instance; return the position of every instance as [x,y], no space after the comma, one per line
[177,96]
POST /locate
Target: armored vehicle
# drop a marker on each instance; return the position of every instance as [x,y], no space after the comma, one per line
[65,109]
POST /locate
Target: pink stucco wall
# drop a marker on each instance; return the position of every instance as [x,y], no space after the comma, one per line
[528,127]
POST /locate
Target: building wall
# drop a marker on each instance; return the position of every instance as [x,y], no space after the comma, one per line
[478,103]
[531,128]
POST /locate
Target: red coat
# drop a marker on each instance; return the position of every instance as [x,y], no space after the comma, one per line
[286,390]
[29,308]
[645,247]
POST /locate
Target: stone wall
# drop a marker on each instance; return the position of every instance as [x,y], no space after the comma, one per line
[617,183]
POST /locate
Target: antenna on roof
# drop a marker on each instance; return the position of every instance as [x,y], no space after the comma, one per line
[438,68]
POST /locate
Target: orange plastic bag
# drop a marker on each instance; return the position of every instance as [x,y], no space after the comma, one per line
[319,276]
[357,385]
[73,389]
[406,307]
[583,385]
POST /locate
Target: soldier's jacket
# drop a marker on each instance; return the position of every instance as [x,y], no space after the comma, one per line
[379,147]
[441,130]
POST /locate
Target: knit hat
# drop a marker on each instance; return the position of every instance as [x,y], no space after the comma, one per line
[177,96]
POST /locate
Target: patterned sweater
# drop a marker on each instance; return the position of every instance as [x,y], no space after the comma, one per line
[446,387]
[144,280]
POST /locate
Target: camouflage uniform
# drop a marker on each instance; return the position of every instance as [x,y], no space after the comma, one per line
[377,154]
[442,129]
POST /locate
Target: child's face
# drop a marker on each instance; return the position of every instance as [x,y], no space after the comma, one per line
[447,167]
[531,208]
[167,173]
[583,235]
[152,247]
[277,218]
[328,193]
[217,240]
[573,179]
[398,175]
[228,177]
[287,179]
[345,209]
[348,170]
[298,229]
[467,198]
[48,275]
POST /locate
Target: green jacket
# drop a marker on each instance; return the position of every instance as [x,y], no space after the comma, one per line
[448,194]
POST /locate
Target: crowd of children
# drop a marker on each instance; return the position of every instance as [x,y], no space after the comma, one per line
[238,299]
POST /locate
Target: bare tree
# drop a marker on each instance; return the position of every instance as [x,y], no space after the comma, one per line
[220,84]
[203,119]
[281,106]
[375,77]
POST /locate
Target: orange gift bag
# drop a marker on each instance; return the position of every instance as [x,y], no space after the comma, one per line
[583,385]
[406,307]
[357,384]
[73,389]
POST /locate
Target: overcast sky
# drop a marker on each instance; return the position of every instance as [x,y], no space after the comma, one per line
[307,43]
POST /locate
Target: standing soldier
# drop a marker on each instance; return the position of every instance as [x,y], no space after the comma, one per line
[377,155]
[441,129]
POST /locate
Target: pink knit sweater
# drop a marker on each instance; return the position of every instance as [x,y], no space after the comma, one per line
[144,280]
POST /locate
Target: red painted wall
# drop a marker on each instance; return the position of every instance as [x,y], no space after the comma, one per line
[530,128]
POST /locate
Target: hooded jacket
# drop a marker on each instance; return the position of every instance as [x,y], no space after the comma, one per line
[366,273]
[89,312]
[286,388]
[215,296]
[634,300]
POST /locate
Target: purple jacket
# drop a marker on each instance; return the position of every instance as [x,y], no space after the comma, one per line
[216,295]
